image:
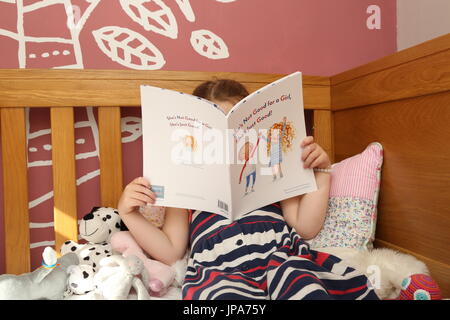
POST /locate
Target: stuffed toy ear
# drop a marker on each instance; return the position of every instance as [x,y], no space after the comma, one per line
[49,256]
[94,209]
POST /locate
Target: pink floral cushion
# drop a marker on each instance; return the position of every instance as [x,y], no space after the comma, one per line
[352,206]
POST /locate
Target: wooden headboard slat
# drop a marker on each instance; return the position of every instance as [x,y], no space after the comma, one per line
[408,55]
[415,181]
[419,77]
[323,119]
[64,175]
[110,136]
[15,191]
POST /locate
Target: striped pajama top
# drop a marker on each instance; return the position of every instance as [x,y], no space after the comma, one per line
[260,257]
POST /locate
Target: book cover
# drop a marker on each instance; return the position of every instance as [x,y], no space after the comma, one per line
[198,157]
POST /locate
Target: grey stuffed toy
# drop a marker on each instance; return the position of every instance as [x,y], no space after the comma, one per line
[46,282]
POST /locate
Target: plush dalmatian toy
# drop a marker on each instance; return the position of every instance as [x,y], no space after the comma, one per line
[80,280]
[96,228]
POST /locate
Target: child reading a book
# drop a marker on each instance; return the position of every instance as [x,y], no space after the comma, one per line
[263,254]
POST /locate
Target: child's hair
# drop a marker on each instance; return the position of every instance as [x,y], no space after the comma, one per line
[192,143]
[285,140]
[221,90]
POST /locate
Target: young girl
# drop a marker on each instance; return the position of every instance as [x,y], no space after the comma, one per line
[263,254]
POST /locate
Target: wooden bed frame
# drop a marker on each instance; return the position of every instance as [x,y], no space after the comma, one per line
[401,101]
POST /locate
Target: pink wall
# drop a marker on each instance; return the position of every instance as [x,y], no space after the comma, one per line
[316,37]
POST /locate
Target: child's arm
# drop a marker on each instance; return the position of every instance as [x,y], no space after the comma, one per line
[166,245]
[306,213]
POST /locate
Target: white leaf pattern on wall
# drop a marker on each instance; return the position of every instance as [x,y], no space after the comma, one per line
[208,44]
[225,1]
[152,20]
[144,54]
[186,8]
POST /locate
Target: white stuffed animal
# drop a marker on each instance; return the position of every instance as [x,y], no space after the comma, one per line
[96,227]
[81,279]
[118,275]
[385,268]
[46,282]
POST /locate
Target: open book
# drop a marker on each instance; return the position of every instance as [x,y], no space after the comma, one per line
[198,157]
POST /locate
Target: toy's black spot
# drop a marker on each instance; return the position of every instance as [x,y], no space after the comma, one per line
[73,285]
[86,291]
[86,259]
[109,231]
[105,244]
[93,269]
[104,219]
[85,274]
[97,253]
[106,251]
[88,217]
[117,225]
[67,242]
[93,248]
[73,248]
[108,255]
[94,265]
[108,216]
[115,211]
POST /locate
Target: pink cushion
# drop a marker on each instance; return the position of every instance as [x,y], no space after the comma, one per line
[358,176]
[352,206]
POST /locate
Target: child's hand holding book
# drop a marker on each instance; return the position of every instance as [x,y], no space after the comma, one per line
[136,194]
[313,156]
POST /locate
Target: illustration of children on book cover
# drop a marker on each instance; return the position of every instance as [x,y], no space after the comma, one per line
[279,139]
[189,146]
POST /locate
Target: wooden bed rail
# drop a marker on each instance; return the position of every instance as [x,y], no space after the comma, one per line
[15,200]
[64,90]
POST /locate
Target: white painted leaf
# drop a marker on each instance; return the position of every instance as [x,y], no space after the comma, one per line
[108,40]
[208,44]
[186,8]
[138,11]
[225,1]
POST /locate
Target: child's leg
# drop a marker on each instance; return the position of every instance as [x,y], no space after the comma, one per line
[274,171]
[253,174]
[247,179]
[221,286]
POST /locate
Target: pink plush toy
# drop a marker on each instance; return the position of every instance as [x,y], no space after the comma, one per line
[160,275]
